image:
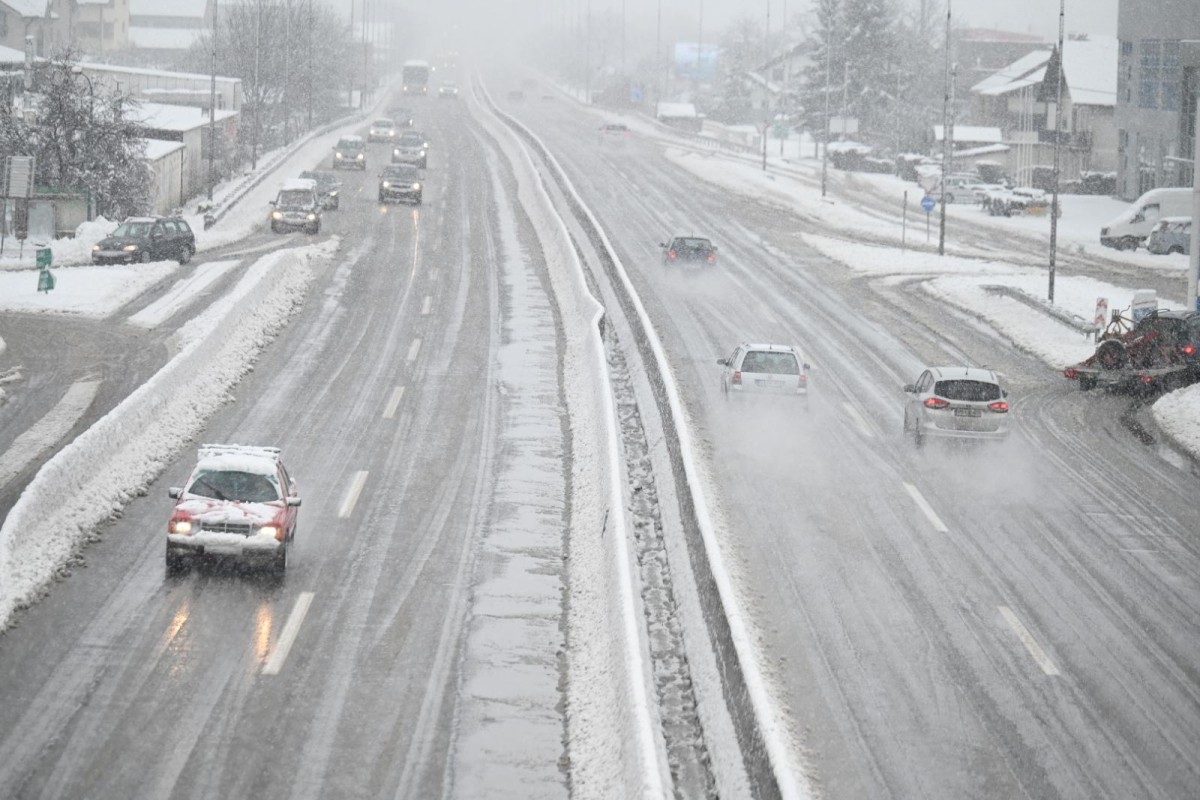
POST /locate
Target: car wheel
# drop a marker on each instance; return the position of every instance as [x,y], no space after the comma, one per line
[279,563]
[315,229]
[185,254]
[949,199]
[144,257]
[1112,354]
[176,563]
[1087,383]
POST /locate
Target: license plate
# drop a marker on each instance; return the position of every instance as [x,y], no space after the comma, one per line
[770,384]
[966,412]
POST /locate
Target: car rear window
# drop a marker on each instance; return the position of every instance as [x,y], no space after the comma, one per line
[770,361]
[974,391]
[695,244]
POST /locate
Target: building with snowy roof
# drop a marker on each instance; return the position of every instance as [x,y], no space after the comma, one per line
[189,126]
[1021,99]
[95,26]
[166,28]
[35,18]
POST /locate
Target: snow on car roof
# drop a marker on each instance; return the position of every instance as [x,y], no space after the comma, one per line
[238,458]
[353,137]
[301,184]
[780,348]
[965,373]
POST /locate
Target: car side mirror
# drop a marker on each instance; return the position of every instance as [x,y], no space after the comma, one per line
[1004,392]
[270,202]
[662,244]
[724,362]
[807,367]
[293,502]
[909,388]
[175,492]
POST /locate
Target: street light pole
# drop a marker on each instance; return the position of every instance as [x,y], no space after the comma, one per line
[828,70]
[766,86]
[945,139]
[212,111]
[1058,115]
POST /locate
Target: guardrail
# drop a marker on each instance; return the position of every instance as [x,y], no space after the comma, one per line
[760,734]
[1086,327]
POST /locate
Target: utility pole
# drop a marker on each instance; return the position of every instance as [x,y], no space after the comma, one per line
[946,147]
[828,70]
[766,86]
[309,93]
[1194,250]
[212,111]
[1058,115]
[587,77]
[287,73]
[699,44]
[258,98]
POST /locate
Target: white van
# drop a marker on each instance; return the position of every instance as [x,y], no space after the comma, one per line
[1132,227]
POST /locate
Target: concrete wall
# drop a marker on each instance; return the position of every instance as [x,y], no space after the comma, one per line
[1150,137]
[168,183]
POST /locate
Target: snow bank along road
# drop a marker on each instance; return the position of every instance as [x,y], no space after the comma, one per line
[983,622]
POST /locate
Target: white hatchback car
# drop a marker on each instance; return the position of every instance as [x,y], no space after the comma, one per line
[956,403]
[764,369]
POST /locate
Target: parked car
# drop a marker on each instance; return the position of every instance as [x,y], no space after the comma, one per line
[400,182]
[328,187]
[350,153]
[956,403]
[296,207]
[239,502]
[1132,227]
[685,250]
[777,369]
[1170,235]
[143,239]
[381,130]
[411,148]
[615,132]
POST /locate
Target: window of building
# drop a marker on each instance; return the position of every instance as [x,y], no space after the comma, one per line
[1169,88]
[1126,49]
[3,23]
[1150,73]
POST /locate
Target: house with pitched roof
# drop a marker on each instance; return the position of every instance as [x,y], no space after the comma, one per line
[1022,100]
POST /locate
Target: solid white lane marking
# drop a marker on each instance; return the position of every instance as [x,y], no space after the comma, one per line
[287,637]
[1035,649]
[413,350]
[858,420]
[44,433]
[356,487]
[393,402]
[927,509]
[426,305]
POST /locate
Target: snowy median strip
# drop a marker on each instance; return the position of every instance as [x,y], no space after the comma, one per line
[617,750]
[93,477]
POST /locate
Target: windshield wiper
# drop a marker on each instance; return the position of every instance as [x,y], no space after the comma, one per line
[217,493]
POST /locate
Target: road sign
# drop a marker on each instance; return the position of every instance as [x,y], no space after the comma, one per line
[1101,317]
[928,203]
[45,257]
[45,281]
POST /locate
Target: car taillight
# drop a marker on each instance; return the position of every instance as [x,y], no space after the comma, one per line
[712,258]
[1147,379]
[1000,407]
[1071,373]
[737,378]
[671,254]
[1189,350]
[803,378]
[936,402]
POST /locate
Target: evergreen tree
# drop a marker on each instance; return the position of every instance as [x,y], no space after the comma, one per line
[826,68]
[871,53]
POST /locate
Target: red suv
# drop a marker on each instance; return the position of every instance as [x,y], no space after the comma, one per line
[238,502]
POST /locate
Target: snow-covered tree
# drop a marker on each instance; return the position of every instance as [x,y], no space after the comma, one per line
[741,52]
[82,139]
[826,68]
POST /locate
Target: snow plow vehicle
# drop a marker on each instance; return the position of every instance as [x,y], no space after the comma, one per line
[1160,352]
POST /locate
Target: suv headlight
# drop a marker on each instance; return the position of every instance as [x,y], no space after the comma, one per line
[337,155]
[179,526]
[422,153]
[269,530]
[130,248]
[387,184]
[95,247]
[359,156]
[416,186]
[312,217]
[396,152]
[276,215]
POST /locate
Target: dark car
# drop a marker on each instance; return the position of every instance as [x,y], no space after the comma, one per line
[144,239]
[689,250]
[350,153]
[328,187]
[400,182]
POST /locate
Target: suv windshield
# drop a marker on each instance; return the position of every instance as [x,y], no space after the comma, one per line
[383,123]
[767,361]
[974,391]
[401,174]
[412,140]
[350,144]
[133,230]
[294,198]
[247,487]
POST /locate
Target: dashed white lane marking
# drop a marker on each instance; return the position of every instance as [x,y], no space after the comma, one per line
[426,304]
[1035,649]
[858,420]
[287,637]
[44,433]
[927,509]
[433,274]
[413,350]
[356,487]
[393,402]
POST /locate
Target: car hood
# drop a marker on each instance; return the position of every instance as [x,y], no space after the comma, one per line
[117,243]
[207,510]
